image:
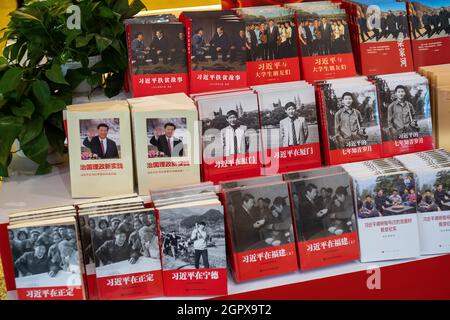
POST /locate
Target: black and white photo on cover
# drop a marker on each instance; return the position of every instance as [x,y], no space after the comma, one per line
[125,243]
[100,139]
[382,21]
[323,33]
[158,48]
[270,33]
[404,109]
[433,191]
[230,126]
[218,43]
[386,195]
[288,118]
[41,254]
[193,238]
[167,137]
[352,116]
[323,206]
[261,217]
[430,19]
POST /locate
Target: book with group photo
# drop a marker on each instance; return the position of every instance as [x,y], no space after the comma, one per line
[157,55]
[217,52]
[47,259]
[100,149]
[325,220]
[324,39]
[125,248]
[260,231]
[271,43]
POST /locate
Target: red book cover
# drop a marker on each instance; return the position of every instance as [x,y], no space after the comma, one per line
[157,56]
[325,220]
[230,137]
[351,121]
[382,34]
[405,114]
[272,45]
[193,251]
[127,255]
[47,261]
[324,38]
[430,31]
[260,229]
[6,257]
[216,58]
[290,130]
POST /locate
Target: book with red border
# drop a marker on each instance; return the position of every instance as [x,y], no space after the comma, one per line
[157,63]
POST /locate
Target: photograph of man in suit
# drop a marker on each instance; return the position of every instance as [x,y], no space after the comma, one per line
[159,48]
[100,144]
[272,40]
[311,215]
[198,45]
[327,32]
[166,142]
[248,225]
[138,48]
[178,51]
[293,128]
[234,136]
[220,44]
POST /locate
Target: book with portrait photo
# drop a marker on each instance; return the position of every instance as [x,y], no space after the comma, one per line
[217,53]
[193,248]
[100,149]
[325,220]
[350,121]
[289,127]
[230,136]
[157,55]
[271,44]
[260,231]
[165,142]
[405,114]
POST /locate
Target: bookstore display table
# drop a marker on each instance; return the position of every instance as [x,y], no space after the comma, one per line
[431,279]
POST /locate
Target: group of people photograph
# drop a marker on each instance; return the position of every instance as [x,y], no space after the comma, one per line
[323,36]
[376,25]
[270,40]
[431,22]
[392,196]
[323,207]
[155,49]
[260,220]
[44,250]
[116,238]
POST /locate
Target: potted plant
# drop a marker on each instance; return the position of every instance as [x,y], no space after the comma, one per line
[33,88]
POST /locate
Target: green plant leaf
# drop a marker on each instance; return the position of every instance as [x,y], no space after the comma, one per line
[36,149]
[107,13]
[54,105]
[11,79]
[25,110]
[44,168]
[135,7]
[31,129]
[10,128]
[76,76]
[55,74]
[121,6]
[20,15]
[41,92]
[102,42]
[82,41]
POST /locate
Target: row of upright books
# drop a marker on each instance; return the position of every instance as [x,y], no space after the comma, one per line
[242,133]
[179,245]
[319,40]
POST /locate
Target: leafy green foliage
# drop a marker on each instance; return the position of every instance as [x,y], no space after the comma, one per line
[33,88]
